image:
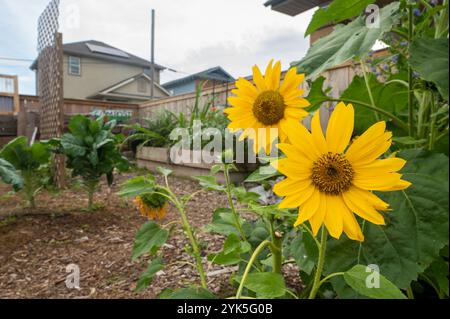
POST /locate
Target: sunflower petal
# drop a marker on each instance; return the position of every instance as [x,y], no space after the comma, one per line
[361,207]
[333,216]
[297,199]
[317,219]
[317,133]
[309,208]
[340,128]
[258,79]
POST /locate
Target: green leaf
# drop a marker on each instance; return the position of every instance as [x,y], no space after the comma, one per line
[337,11]
[265,284]
[222,222]
[187,293]
[137,185]
[148,239]
[147,276]
[435,69]
[317,96]
[9,175]
[164,171]
[261,174]
[408,140]
[73,146]
[391,98]
[357,278]
[438,274]
[244,196]
[209,183]
[232,250]
[416,228]
[305,252]
[79,125]
[347,42]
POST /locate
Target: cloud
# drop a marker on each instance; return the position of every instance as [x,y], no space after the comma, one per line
[190,35]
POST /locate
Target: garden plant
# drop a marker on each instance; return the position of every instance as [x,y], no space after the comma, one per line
[92,151]
[364,193]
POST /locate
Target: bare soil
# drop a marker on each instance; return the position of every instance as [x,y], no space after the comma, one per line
[37,245]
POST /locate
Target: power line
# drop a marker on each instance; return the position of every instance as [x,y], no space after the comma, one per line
[86,62]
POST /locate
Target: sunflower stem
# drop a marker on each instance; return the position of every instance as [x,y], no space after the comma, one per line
[320,263]
[255,254]
[369,90]
[410,75]
[230,201]
[276,249]
[190,234]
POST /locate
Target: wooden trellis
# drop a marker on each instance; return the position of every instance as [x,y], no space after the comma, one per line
[50,82]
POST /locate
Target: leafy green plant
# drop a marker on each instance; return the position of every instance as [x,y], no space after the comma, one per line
[155,132]
[92,151]
[27,161]
[9,175]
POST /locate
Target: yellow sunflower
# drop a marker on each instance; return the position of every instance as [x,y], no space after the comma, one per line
[152,206]
[264,110]
[330,182]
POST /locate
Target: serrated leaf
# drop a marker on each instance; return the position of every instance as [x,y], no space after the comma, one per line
[149,237]
[347,42]
[305,252]
[357,278]
[209,183]
[336,12]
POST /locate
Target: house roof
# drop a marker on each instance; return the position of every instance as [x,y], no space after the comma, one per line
[109,91]
[294,7]
[215,73]
[109,53]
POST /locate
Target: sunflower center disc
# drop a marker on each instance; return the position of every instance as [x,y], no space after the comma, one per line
[269,107]
[332,174]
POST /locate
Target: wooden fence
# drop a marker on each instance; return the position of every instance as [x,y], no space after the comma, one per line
[338,79]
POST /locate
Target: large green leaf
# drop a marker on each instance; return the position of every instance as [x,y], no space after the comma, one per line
[9,175]
[317,96]
[222,222]
[73,146]
[147,276]
[149,239]
[337,11]
[347,42]
[416,228]
[22,156]
[357,279]
[391,97]
[265,284]
[429,57]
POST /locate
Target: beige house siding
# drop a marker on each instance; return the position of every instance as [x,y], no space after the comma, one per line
[132,88]
[97,75]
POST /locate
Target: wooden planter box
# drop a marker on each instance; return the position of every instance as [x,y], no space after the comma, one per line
[152,157]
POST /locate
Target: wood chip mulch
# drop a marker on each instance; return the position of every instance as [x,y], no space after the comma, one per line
[37,246]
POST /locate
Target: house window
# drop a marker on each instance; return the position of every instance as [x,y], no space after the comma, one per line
[74,65]
[142,85]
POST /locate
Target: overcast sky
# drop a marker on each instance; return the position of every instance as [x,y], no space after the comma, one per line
[191,35]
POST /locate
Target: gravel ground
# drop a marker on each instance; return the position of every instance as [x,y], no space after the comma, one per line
[37,246]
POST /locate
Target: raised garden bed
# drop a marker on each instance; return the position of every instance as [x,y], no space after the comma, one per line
[152,157]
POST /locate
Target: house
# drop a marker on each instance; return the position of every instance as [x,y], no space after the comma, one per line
[213,76]
[96,70]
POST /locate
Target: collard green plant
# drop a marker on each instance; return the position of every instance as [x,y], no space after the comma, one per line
[9,175]
[92,152]
[27,160]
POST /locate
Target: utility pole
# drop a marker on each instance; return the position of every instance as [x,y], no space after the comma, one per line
[153,55]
